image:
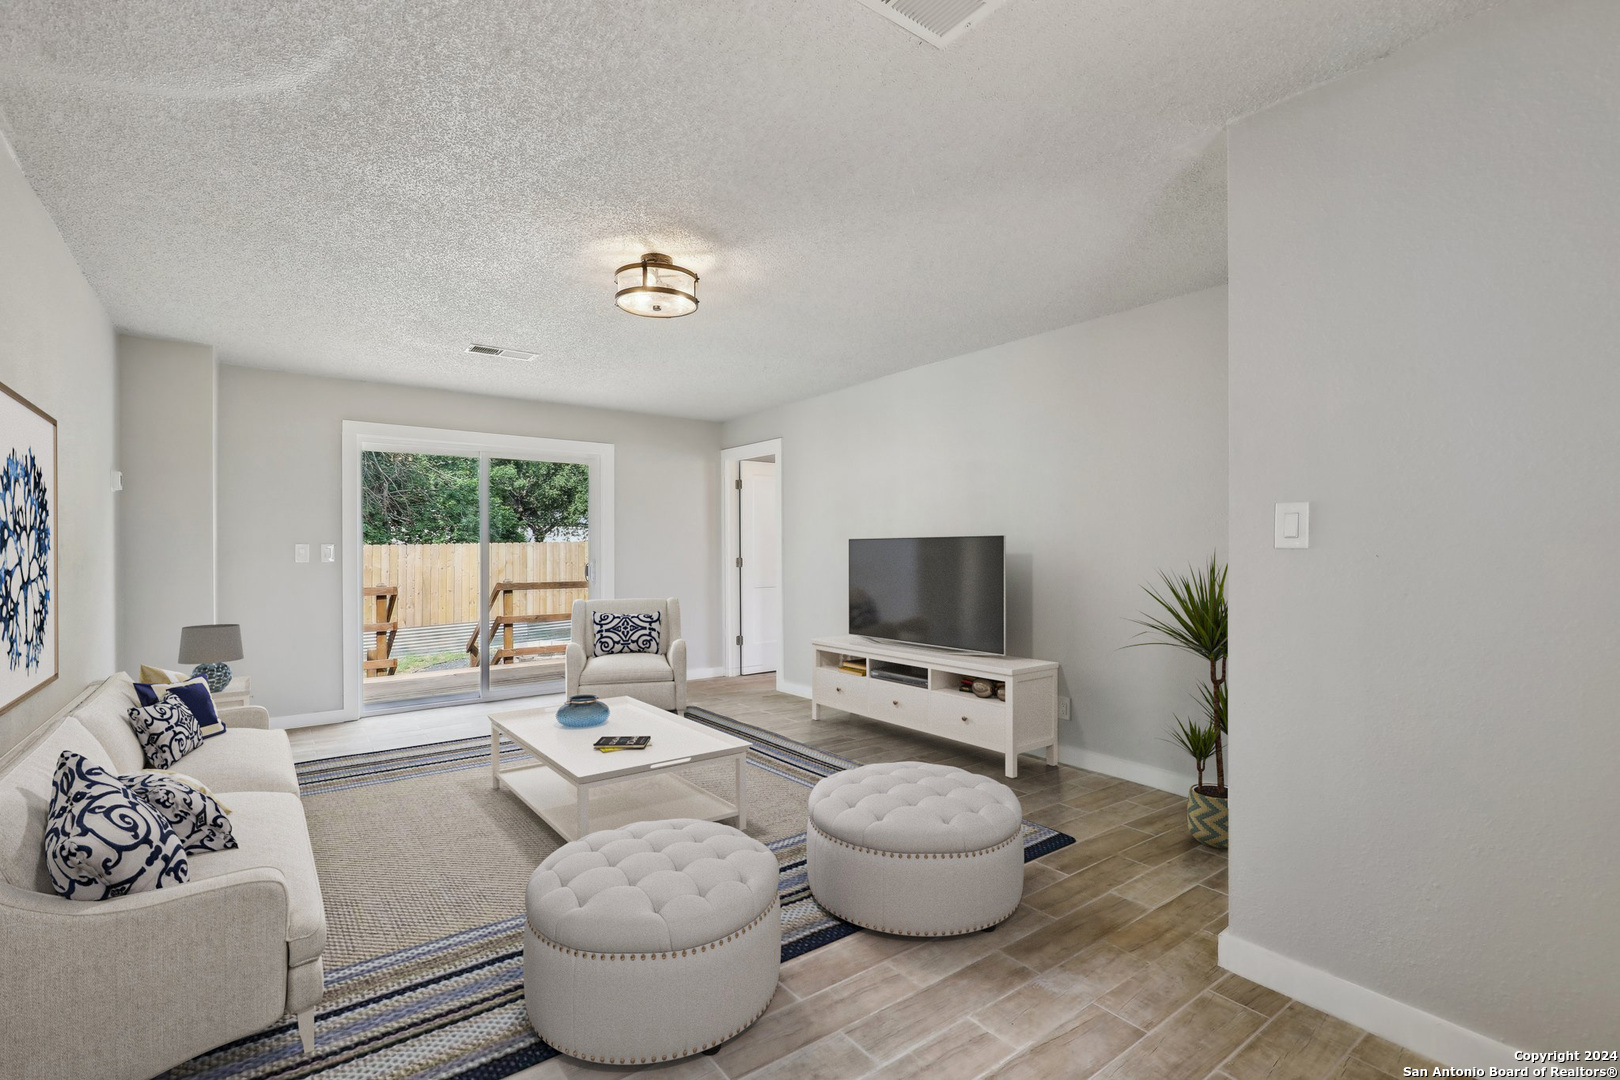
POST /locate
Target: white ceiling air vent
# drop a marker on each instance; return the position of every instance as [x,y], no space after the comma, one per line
[938,22]
[495,350]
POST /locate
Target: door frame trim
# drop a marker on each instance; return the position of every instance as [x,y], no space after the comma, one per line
[731,459]
[361,435]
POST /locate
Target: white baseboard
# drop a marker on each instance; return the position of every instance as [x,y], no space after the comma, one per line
[1405,1025]
[313,719]
[796,689]
[1152,775]
[705,673]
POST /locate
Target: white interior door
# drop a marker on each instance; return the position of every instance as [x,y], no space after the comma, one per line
[760,590]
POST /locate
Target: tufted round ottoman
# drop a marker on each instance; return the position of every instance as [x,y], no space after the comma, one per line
[911,848]
[651,942]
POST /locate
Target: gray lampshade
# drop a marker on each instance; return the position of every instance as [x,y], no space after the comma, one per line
[210,643]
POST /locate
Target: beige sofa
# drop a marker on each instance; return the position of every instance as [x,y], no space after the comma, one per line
[657,678]
[132,986]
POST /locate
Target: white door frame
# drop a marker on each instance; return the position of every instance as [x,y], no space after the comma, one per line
[359,436]
[731,459]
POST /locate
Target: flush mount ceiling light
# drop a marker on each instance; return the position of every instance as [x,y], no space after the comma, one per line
[656,288]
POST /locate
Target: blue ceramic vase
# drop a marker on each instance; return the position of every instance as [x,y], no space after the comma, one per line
[218,675]
[582,710]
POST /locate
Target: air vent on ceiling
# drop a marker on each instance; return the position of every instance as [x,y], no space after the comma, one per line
[938,22]
[495,350]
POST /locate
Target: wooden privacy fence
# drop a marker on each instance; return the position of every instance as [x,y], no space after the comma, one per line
[438,583]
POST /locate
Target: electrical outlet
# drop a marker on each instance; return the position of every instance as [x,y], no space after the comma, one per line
[300,553]
[1063,708]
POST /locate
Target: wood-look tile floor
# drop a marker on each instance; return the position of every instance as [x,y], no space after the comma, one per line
[1106,970]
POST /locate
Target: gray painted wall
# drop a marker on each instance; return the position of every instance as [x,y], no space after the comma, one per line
[1099,450]
[1425,262]
[280,484]
[56,350]
[166,563]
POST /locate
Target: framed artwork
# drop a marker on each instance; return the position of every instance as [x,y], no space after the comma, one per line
[28,577]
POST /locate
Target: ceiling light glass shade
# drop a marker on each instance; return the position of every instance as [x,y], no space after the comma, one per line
[656,288]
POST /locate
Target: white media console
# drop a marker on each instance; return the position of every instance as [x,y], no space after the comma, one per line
[933,701]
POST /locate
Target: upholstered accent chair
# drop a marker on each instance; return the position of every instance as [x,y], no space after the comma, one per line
[658,678]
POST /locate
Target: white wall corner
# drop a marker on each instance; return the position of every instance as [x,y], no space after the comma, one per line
[1405,1025]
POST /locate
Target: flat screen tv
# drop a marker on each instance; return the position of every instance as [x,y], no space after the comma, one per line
[946,591]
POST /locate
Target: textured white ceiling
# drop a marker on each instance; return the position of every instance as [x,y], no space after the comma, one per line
[362,189]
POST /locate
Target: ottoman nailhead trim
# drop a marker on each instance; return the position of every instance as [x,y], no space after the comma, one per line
[666,1057]
[916,854]
[674,954]
[916,933]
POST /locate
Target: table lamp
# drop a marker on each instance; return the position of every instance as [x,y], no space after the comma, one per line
[209,646]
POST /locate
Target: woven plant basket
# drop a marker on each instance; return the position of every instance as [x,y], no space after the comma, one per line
[1206,819]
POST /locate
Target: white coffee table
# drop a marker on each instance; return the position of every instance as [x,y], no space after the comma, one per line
[630,785]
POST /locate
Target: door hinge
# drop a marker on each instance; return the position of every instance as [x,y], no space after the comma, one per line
[739,483]
[739,639]
[739,562]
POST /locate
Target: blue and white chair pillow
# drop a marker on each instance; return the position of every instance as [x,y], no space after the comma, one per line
[615,632]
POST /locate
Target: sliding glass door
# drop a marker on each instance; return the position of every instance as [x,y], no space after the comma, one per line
[420,576]
[539,564]
[468,566]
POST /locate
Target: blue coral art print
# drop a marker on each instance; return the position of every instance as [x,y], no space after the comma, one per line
[28,602]
[25,559]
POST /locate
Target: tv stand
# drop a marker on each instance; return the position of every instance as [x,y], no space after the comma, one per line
[916,687]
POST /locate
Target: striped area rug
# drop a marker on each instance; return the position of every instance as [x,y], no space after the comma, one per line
[449,1002]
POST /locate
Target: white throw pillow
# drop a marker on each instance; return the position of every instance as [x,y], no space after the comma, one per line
[102,841]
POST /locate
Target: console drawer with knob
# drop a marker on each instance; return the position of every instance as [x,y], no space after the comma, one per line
[897,703]
[965,718]
[842,690]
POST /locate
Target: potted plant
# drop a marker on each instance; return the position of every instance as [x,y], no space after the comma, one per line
[1192,616]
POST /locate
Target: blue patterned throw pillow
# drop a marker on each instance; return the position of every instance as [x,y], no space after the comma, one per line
[191,810]
[168,731]
[194,692]
[102,841]
[626,633]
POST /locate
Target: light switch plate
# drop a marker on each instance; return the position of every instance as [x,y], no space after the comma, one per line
[1293,529]
[300,553]
[328,553]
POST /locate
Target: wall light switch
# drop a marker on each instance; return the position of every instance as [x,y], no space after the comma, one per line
[300,553]
[328,553]
[1293,525]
